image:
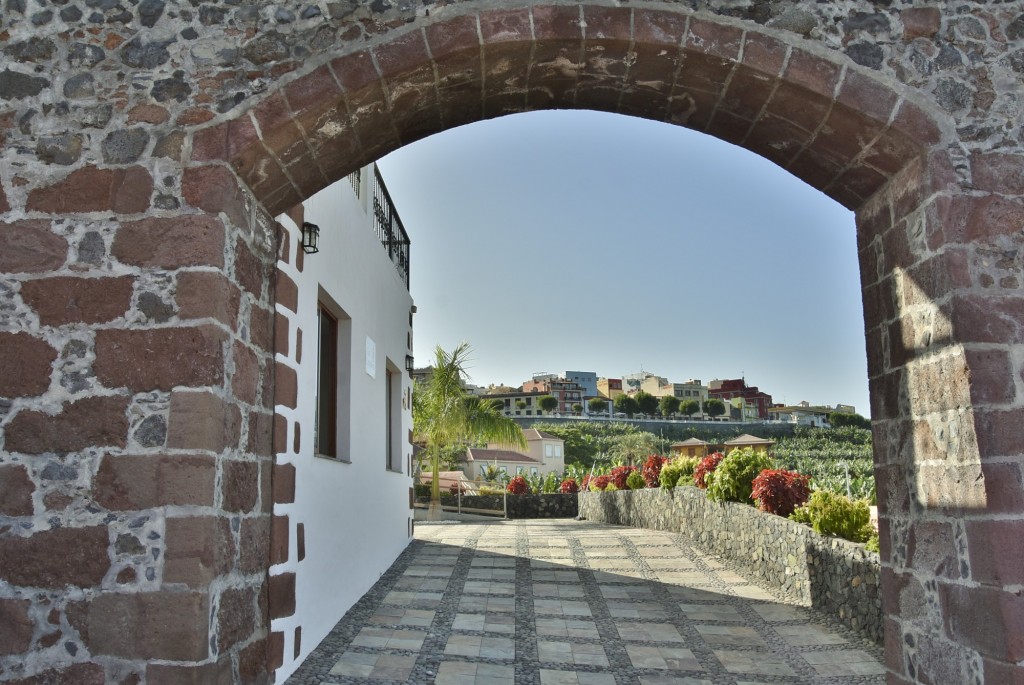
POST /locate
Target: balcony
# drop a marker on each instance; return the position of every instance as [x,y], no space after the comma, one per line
[389,227]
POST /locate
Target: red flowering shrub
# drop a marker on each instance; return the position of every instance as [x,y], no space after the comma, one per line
[706,466]
[517,486]
[569,486]
[600,482]
[619,475]
[652,470]
[780,492]
[585,485]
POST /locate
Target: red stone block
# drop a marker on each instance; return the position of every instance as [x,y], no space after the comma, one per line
[31,247]
[5,206]
[355,71]
[16,626]
[90,189]
[297,439]
[274,650]
[287,292]
[208,294]
[859,182]
[25,365]
[130,482]
[455,36]
[280,436]
[245,382]
[279,540]
[814,169]
[988,318]
[260,434]
[988,620]
[236,617]
[845,134]
[56,558]
[728,127]
[287,143]
[285,385]
[920,22]
[300,535]
[705,73]
[747,94]
[998,172]
[215,189]
[282,595]
[16,490]
[892,152]
[996,552]
[556,24]
[89,422]
[812,72]
[254,545]
[866,96]
[284,483]
[224,142]
[613,23]
[1003,673]
[402,54]
[250,271]
[999,433]
[255,660]
[505,26]
[776,139]
[992,377]
[170,243]
[764,54]
[216,673]
[161,358]
[801,108]
[312,91]
[659,30]
[261,328]
[172,626]
[274,111]
[711,38]
[202,421]
[915,124]
[62,300]
[199,550]
[240,486]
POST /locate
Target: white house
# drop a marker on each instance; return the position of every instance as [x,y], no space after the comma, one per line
[344,333]
[544,453]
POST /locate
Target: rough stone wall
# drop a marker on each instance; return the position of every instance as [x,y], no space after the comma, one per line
[125,127]
[549,506]
[834,575]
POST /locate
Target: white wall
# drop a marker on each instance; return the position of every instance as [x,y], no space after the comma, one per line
[356,515]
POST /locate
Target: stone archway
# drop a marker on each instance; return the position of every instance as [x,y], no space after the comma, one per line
[137,364]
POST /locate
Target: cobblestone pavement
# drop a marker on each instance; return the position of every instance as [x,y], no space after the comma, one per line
[577,603]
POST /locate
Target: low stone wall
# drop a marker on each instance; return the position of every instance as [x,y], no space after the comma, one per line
[549,506]
[831,574]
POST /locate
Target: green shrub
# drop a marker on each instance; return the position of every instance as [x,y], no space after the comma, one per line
[489,490]
[732,480]
[669,476]
[611,486]
[832,514]
[635,481]
[872,544]
[422,489]
[686,466]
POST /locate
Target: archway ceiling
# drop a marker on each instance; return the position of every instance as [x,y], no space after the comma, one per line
[827,122]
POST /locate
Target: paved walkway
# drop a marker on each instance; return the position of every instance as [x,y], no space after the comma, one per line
[577,603]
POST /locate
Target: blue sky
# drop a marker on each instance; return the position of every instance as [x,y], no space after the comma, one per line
[560,240]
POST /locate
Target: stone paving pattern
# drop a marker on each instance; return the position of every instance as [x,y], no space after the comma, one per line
[578,603]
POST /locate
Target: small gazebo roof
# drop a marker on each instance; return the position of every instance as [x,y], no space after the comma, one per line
[691,442]
[747,439]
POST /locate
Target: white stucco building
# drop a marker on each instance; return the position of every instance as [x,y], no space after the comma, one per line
[345,330]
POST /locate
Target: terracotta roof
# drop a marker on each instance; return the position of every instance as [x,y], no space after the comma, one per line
[534,434]
[480,454]
[747,439]
[690,442]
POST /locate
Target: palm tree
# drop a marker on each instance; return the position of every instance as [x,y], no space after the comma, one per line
[445,414]
[633,448]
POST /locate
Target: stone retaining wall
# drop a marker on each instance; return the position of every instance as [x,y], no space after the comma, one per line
[834,575]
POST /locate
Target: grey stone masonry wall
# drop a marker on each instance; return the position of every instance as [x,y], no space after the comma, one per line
[834,575]
[547,506]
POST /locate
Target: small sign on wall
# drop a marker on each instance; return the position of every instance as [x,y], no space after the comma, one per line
[371,357]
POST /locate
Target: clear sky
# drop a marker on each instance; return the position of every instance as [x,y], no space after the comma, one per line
[582,241]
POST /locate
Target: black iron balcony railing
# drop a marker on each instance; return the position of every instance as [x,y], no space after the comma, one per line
[390,231]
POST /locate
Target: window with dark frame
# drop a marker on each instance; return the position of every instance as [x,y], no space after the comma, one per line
[393,412]
[326,434]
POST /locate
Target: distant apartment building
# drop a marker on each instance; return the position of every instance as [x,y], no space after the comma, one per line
[727,390]
[690,390]
[566,392]
[585,379]
[632,382]
[517,402]
[609,388]
[806,414]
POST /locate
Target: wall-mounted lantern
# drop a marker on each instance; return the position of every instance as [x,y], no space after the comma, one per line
[409,364]
[310,238]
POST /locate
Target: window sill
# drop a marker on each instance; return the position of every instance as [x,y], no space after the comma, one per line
[339,460]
